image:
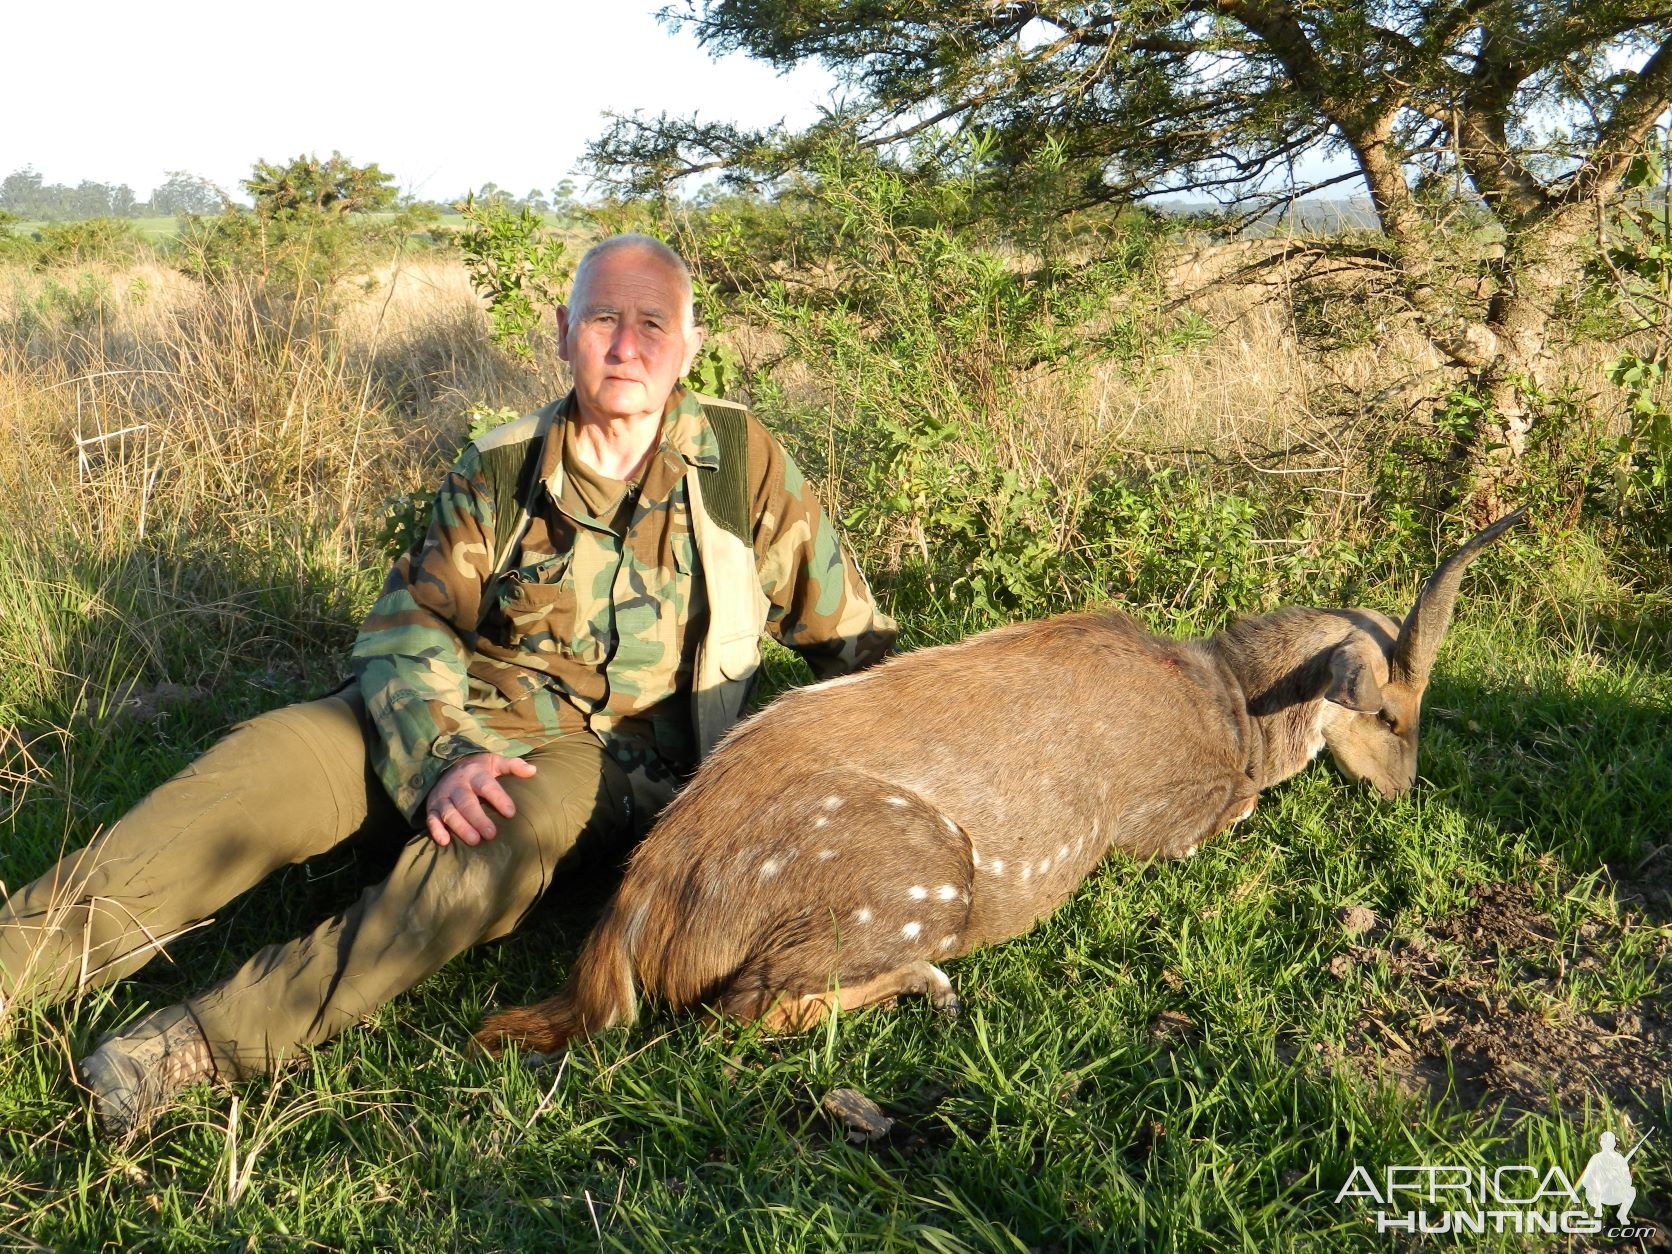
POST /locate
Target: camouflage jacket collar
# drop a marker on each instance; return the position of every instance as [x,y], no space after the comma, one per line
[685,431]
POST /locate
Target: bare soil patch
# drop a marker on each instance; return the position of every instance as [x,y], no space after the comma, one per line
[1457,1032]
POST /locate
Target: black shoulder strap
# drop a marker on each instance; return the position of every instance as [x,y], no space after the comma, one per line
[725,492]
[513,471]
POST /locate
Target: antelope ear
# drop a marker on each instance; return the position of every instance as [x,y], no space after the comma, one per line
[1352,682]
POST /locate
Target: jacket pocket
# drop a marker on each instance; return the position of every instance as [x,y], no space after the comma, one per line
[738,657]
[537,605]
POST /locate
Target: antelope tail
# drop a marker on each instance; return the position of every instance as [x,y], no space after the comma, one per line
[601,993]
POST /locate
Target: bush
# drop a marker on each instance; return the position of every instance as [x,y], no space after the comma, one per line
[933,340]
[112,240]
[314,224]
[517,266]
[305,253]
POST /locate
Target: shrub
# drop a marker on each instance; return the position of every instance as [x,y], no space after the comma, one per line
[72,243]
[314,224]
[932,340]
[517,266]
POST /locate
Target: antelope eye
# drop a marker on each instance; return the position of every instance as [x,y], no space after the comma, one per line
[1386,720]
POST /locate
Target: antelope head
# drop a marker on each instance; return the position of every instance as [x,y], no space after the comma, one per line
[1373,706]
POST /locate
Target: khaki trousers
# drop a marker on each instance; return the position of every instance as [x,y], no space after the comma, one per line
[279,789]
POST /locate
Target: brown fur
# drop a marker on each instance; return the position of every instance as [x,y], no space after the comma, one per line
[854,832]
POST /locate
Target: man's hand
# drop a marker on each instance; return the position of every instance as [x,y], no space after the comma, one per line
[454,807]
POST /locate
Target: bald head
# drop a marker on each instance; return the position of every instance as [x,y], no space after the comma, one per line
[653,251]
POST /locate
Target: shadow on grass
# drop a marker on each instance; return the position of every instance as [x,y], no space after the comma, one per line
[1585,776]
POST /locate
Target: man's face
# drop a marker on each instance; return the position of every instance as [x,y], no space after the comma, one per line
[624,336]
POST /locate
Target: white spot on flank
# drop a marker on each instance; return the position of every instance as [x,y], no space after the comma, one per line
[897,801]
[862,915]
[825,855]
[770,867]
[998,866]
[947,942]
[833,802]
[1044,865]
[820,821]
[1027,871]
[917,892]
[946,892]
[1062,853]
[911,930]
[975,856]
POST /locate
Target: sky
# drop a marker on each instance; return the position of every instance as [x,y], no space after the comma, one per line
[445,97]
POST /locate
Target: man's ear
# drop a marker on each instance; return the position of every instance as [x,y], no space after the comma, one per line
[563,332]
[1352,677]
[698,336]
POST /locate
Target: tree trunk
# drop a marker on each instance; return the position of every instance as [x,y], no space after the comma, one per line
[1508,354]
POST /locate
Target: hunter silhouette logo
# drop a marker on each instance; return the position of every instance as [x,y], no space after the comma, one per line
[1515,1197]
[1607,1178]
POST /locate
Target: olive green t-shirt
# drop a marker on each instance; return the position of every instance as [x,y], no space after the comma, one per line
[609,501]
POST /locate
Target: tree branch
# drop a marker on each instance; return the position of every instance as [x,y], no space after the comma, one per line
[1618,139]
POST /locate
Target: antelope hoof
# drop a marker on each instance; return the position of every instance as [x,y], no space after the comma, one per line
[940,993]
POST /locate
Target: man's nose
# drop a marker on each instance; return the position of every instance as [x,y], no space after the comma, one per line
[624,344]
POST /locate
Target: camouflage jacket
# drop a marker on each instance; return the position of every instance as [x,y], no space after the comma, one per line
[592,633]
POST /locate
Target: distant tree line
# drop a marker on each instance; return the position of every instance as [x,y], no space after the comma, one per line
[25,194]
[560,201]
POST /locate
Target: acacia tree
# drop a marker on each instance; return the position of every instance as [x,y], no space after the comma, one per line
[306,185]
[314,222]
[1528,112]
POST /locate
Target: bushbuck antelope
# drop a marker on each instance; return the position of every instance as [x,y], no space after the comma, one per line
[839,842]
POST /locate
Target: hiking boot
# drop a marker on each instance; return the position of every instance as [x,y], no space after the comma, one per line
[135,1073]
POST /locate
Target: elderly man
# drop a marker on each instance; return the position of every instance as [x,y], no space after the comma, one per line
[580,624]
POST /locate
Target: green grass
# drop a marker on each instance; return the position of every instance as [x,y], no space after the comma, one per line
[166,229]
[149,229]
[153,229]
[1168,1063]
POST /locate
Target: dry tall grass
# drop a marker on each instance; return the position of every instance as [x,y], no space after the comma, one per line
[204,465]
